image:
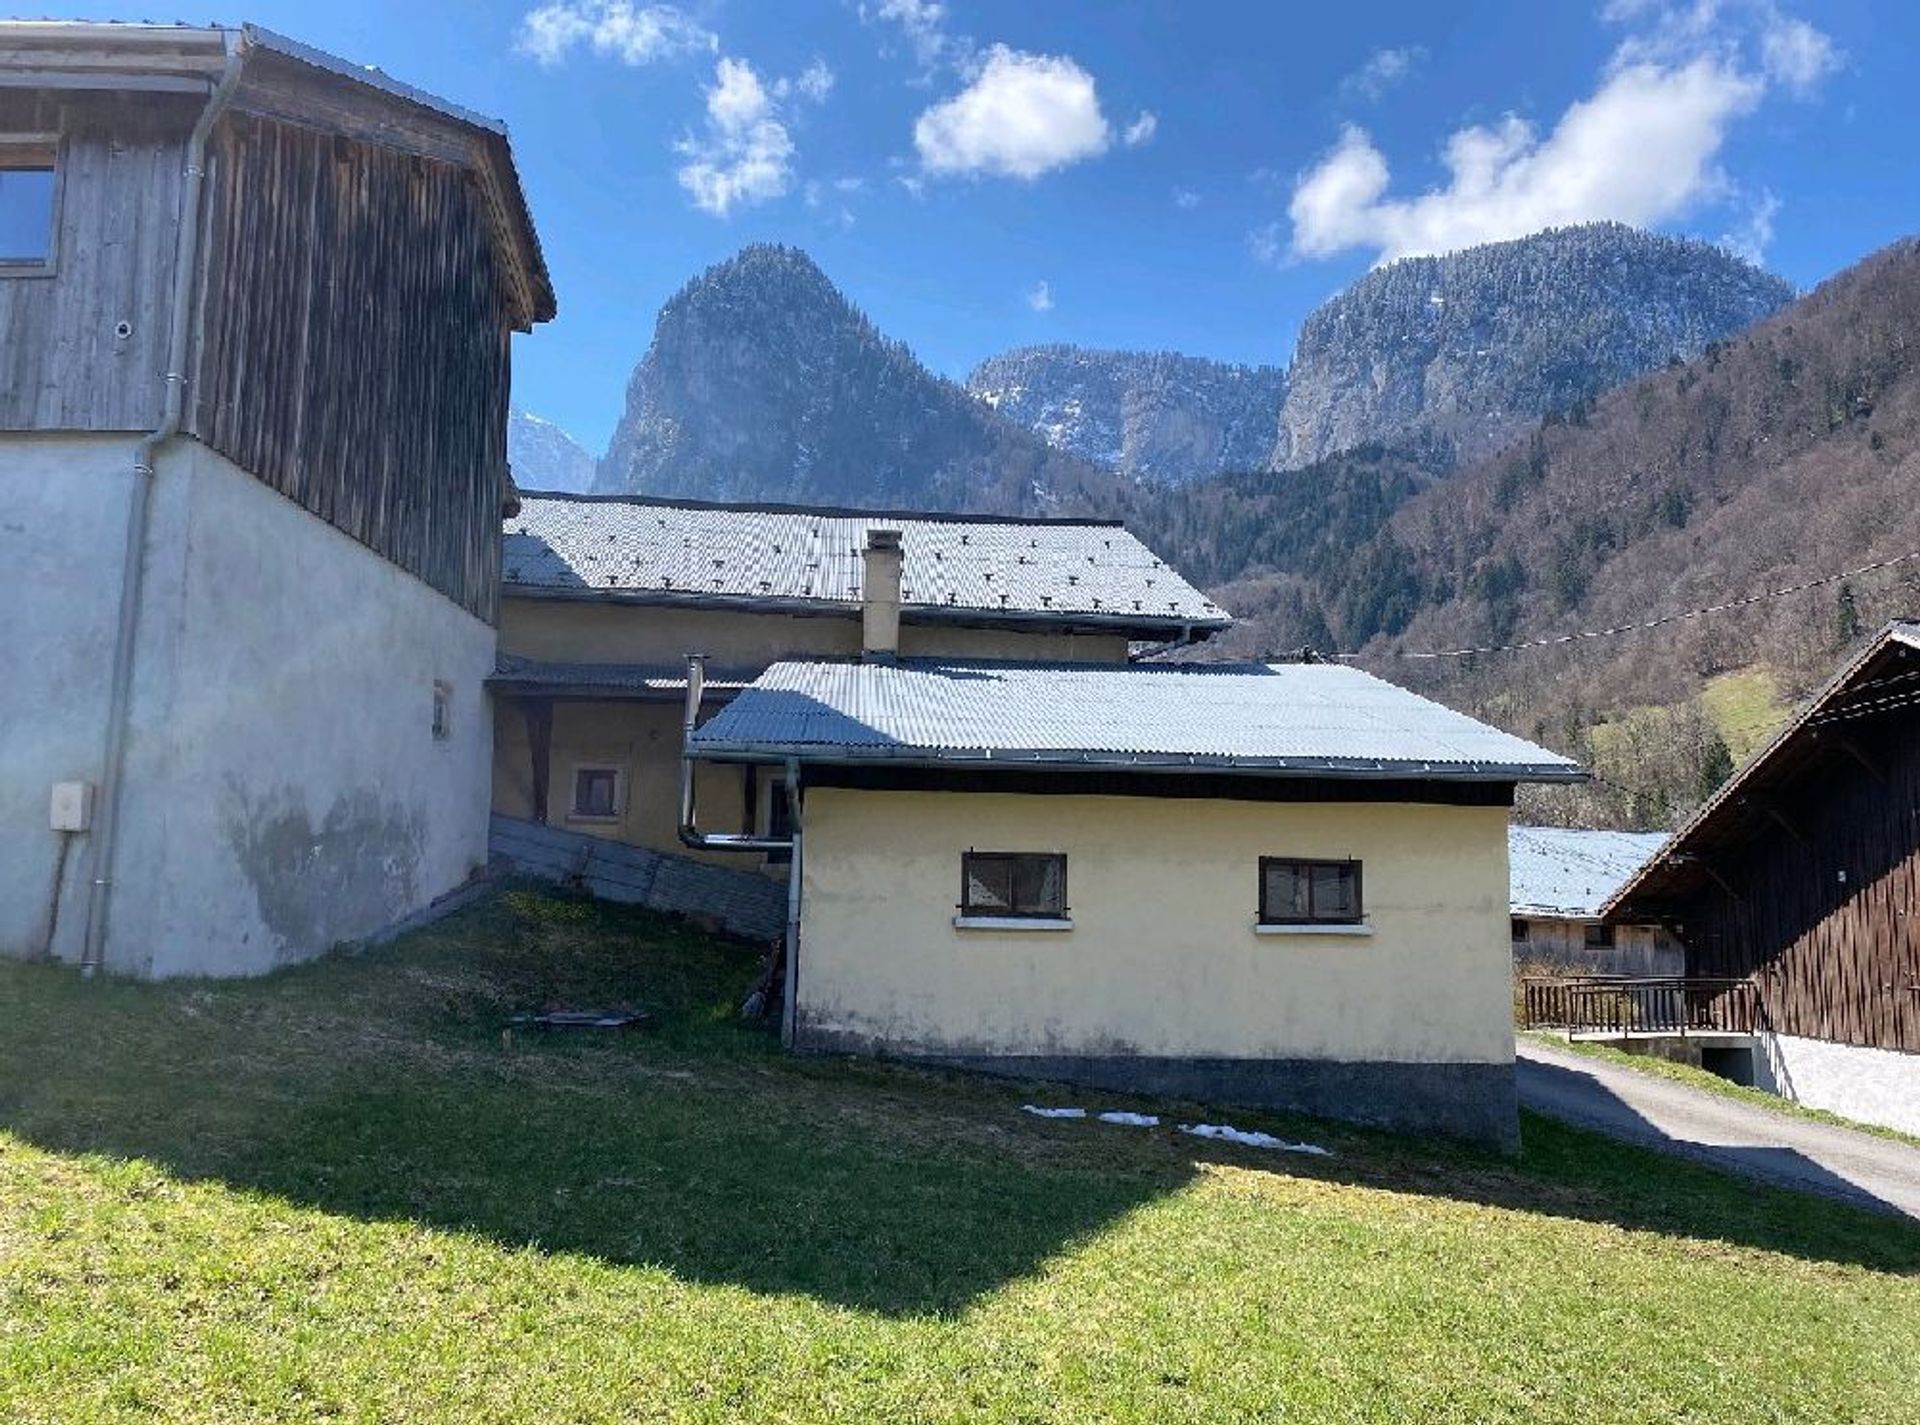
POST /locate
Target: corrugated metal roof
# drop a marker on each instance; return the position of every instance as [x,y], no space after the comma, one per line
[1070,571]
[1563,874]
[1318,719]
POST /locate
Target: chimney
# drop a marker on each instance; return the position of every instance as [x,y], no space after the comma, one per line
[880,603]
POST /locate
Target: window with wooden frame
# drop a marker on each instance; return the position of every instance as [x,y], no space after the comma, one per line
[1302,892]
[1522,931]
[29,188]
[596,794]
[1019,885]
[1599,937]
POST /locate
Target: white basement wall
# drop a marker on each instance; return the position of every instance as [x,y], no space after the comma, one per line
[1871,1085]
[285,791]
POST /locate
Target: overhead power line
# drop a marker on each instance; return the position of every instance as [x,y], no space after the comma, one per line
[1644,624]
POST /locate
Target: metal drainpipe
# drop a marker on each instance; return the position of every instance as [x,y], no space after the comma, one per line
[134,562]
[790,976]
[690,833]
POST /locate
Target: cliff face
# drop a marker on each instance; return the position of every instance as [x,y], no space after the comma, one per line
[1153,416]
[544,457]
[1457,355]
[764,383]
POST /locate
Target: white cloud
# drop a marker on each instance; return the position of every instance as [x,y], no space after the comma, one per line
[1381,70]
[923,22]
[1755,233]
[1040,298]
[1023,115]
[815,82]
[1142,129]
[1798,55]
[745,156]
[1643,148]
[616,29]
[1267,243]
[1185,199]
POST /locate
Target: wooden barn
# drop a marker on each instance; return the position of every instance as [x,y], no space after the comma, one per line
[256,305]
[1796,893]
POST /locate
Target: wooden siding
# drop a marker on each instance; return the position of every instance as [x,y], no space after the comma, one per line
[63,365]
[1639,950]
[1835,959]
[354,344]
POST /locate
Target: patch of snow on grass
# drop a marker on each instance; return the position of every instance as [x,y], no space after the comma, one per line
[1039,1112]
[1132,1120]
[1251,1139]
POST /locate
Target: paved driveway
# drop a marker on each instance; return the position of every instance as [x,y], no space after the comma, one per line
[1776,1147]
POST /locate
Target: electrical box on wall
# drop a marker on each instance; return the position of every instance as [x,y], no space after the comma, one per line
[72,806]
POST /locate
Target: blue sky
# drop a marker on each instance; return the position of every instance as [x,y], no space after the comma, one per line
[1180,175]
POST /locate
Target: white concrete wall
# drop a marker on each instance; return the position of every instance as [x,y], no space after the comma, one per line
[284,791]
[63,501]
[1872,1085]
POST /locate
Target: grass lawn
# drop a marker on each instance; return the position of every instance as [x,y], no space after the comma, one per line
[336,1195]
[1703,1079]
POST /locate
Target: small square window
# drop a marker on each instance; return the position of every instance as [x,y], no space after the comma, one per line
[442,711]
[27,188]
[1294,892]
[1599,937]
[1013,883]
[1522,932]
[596,793]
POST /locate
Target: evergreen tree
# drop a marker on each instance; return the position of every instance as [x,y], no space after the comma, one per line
[1846,617]
[1716,765]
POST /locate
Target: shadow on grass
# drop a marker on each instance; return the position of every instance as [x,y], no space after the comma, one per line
[378,1088]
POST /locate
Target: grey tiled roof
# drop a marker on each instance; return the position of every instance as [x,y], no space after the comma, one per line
[1318,719]
[1072,572]
[1559,873]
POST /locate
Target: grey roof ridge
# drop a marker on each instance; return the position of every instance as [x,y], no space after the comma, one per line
[837,512]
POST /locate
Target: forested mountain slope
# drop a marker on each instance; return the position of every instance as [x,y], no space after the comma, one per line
[1788,453]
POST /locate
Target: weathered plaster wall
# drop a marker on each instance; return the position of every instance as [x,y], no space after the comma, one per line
[1163,967]
[284,790]
[571,630]
[1872,1085]
[63,503]
[643,741]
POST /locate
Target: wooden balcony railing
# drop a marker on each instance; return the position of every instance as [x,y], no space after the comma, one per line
[1605,1004]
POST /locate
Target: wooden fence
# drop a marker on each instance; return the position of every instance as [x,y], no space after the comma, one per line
[1606,1004]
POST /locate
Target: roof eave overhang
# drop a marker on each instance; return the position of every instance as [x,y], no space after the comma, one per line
[145,58]
[938,614]
[1648,894]
[1082,761]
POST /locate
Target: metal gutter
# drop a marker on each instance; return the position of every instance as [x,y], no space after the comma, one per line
[134,557]
[1359,769]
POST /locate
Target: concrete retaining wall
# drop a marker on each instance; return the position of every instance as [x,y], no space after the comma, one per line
[1872,1085]
[741,902]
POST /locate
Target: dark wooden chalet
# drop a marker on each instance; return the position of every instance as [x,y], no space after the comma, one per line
[364,256]
[1800,879]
